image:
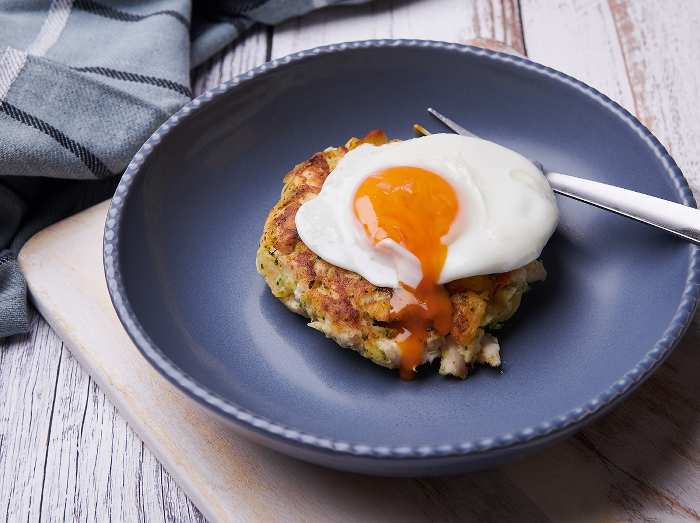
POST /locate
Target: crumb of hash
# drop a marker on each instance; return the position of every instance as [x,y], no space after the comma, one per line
[356,314]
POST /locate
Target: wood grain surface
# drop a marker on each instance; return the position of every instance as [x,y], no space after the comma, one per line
[67,454]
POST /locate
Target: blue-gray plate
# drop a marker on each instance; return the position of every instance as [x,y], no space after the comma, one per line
[184,226]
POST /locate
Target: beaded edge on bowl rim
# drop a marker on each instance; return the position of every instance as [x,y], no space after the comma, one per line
[620,388]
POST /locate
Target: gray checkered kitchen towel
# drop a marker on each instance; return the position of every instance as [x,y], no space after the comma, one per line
[83,84]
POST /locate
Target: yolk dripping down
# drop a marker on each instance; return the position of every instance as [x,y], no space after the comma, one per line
[415,208]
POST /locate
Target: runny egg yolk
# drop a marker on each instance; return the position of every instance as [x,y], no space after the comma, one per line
[416,208]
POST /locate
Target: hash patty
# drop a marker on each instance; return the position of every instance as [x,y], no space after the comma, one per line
[356,314]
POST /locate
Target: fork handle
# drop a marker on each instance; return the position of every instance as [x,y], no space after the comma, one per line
[673,217]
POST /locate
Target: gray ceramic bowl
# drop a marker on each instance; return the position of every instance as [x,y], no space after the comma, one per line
[184,226]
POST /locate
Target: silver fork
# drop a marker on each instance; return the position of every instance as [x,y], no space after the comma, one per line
[672,217]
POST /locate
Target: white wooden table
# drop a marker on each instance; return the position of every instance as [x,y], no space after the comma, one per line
[67,454]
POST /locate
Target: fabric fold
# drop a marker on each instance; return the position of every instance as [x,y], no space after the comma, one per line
[13,296]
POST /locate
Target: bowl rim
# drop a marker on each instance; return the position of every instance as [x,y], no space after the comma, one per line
[565,423]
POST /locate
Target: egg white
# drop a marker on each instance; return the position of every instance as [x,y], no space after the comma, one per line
[507,210]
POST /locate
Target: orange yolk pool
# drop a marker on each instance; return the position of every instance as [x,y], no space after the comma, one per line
[415,208]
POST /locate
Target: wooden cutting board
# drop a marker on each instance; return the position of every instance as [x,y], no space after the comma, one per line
[231,479]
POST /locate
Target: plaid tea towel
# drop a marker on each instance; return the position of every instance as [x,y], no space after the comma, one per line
[83,83]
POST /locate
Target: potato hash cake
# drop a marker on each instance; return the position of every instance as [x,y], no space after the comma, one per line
[357,314]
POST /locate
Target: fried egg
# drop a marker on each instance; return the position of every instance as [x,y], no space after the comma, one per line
[487,207]
[414,215]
